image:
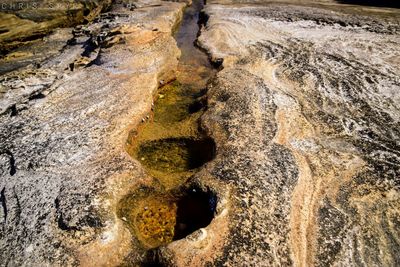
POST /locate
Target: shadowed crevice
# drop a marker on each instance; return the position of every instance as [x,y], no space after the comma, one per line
[4,203]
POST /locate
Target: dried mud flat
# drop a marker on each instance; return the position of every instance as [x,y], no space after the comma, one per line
[303,113]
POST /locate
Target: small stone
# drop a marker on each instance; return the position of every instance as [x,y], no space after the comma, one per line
[161,96]
[142,159]
[124,219]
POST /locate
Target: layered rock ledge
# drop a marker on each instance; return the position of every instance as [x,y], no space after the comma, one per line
[64,125]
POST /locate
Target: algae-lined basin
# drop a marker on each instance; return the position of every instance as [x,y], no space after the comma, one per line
[174,102]
[176,154]
[159,219]
[171,145]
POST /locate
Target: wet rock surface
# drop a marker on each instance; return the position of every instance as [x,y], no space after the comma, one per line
[289,155]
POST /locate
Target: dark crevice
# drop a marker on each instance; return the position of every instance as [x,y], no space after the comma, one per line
[197,105]
[33,37]
[18,208]
[196,210]
[93,221]
[38,95]
[89,47]
[153,259]
[86,12]
[13,110]
[13,169]
[217,63]
[96,61]
[203,19]
[4,203]
[60,220]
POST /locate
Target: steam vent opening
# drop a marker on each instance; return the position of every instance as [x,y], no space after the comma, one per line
[159,220]
[176,154]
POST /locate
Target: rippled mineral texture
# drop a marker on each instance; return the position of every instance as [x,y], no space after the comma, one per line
[304,112]
[306,117]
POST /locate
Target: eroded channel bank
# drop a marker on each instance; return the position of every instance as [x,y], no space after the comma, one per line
[172,146]
[63,168]
[169,213]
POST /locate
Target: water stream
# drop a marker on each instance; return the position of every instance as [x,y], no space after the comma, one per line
[171,147]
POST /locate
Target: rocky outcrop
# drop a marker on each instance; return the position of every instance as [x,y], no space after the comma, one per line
[305,114]
[63,129]
[25,27]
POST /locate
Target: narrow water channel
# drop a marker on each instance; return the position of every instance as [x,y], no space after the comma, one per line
[171,146]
